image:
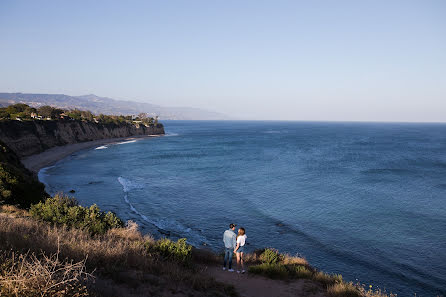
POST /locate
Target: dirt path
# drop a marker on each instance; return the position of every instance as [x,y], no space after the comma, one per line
[248,285]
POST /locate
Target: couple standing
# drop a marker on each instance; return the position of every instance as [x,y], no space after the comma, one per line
[234,244]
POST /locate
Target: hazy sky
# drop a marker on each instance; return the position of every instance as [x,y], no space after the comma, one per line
[291,60]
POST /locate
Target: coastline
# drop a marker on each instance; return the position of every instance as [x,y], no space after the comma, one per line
[36,162]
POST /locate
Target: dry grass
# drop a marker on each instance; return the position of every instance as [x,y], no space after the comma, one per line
[327,279]
[373,293]
[294,260]
[13,210]
[112,255]
[29,275]
[109,252]
[343,289]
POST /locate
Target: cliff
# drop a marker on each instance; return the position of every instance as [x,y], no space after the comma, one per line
[32,137]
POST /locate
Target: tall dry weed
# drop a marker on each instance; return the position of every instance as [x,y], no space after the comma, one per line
[29,275]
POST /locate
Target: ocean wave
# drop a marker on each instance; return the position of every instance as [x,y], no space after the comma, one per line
[102,147]
[129,141]
[129,185]
[168,227]
[171,134]
[42,174]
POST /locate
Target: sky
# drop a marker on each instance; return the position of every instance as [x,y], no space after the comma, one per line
[266,60]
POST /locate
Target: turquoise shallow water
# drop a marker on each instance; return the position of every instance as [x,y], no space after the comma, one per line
[367,200]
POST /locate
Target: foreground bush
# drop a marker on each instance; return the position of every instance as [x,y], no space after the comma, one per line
[270,256]
[271,270]
[63,210]
[28,275]
[178,251]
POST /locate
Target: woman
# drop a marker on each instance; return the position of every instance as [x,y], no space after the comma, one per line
[240,249]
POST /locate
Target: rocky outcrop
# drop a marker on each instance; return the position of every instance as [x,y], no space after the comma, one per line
[32,137]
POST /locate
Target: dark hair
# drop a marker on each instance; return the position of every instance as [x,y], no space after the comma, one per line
[231,225]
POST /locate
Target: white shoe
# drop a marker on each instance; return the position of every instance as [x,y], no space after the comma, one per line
[231,270]
[238,271]
[224,268]
[243,271]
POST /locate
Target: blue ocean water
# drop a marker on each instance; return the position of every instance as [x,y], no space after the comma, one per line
[367,200]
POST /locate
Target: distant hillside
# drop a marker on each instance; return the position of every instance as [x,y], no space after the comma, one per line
[106,105]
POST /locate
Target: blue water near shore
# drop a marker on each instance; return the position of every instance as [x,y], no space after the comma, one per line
[367,200]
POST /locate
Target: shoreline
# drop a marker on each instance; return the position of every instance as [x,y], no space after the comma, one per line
[36,162]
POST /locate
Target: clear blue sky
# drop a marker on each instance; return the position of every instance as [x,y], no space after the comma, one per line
[289,60]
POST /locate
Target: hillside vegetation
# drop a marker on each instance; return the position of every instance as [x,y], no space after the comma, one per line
[67,261]
[18,186]
[57,248]
[22,112]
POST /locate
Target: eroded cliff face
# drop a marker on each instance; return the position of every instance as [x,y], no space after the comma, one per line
[31,137]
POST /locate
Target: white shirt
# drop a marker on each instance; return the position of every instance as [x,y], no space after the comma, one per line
[241,240]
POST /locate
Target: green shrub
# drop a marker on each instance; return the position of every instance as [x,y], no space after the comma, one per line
[63,210]
[178,251]
[271,270]
[327,279]
[17,184]
[301,271]
[270,256]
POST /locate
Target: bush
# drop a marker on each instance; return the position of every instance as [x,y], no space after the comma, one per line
[178,251]
[63,210]
[270,256]
[274,271]
[302,272]
[327,279]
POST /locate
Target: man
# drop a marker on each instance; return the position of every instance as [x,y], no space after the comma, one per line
[230,239]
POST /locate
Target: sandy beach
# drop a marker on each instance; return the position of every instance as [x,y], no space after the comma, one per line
[52,155]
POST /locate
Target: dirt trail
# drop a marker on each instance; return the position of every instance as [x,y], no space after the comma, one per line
[248,285]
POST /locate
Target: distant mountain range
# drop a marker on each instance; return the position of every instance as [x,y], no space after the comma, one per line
[106,105]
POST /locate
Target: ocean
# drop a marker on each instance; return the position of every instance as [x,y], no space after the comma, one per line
[366,200]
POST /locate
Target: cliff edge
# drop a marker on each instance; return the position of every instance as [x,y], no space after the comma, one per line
[27,138]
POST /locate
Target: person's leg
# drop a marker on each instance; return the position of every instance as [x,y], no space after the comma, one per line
[226,259]
[241,262]
[230,253]
[238,262]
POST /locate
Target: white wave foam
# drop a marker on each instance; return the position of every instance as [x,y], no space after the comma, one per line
[173,226]
[124,142]
[41,175]
[171,134]
[102,147]
[272,132]
[129,185]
